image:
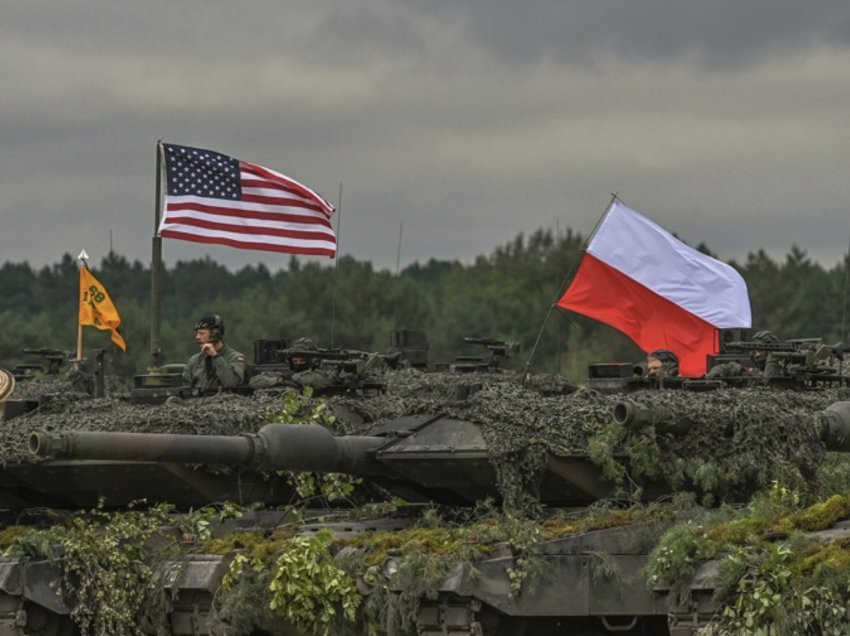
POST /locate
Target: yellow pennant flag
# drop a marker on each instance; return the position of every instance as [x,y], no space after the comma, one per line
[96,307]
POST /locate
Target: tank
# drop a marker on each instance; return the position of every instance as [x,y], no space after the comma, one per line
[474,501]
[542,556]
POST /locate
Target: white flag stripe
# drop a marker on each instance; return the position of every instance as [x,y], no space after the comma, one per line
[213,198]
[648,254]
[267,185]
[289,183]
[251,238]
[287,198]
[310,216]
[175,217]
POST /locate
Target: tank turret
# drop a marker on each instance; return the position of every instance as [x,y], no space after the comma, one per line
[423,458]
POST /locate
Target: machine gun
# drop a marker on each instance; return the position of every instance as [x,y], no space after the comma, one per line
[335,357]
[800,358]
[796,345]
[499,350]
[54,358]
[328,371]
[276,355]
[342,360]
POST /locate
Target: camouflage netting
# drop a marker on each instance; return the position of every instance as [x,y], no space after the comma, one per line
[738,440]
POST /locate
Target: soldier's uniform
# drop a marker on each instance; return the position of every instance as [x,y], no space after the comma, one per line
[226,370]
[315,378]
[727,370]
[768,367]
[772,366]
[668,370]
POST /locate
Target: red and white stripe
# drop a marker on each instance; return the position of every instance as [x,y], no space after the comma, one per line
[275,213]
[663,294]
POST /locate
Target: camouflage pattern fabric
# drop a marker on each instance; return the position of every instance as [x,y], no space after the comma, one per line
[226,370]
[316,378]
[668,370]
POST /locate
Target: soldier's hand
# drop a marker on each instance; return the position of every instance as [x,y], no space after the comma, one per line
[209,349]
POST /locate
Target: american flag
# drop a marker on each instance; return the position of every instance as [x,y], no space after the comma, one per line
[213,198]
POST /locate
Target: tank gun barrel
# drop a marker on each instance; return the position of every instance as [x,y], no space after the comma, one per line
[274,447]
[835,427]
[631,414]
[834,421]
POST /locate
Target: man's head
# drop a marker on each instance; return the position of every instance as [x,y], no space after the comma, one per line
[759,356]
[297,360]
[662,362]
[209,329]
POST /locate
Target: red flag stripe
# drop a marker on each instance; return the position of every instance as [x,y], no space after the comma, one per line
[248,245]
[250,180]
[251,185]
[226,205]
[214,198]
[278,202]
[248,214]
[282,179]
[653,322]
[263,230]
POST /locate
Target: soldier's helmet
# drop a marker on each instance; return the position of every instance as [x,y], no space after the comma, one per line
[299,362]
[759,357]
[668,359]
[214,323]
[304,344]
[765,335]
[665,355]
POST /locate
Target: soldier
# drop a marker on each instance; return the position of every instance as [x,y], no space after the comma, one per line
[216,365]
[662,363]
[764,363]
[304,371]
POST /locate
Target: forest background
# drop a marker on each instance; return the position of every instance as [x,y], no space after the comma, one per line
[505,295]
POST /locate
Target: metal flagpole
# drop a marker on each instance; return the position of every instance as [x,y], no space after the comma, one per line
[82,258]
[569,276]
[156,270]
[844,310]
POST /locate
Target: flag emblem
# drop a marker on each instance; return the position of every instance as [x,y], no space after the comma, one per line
[663,294]
[213,198]
[97,309]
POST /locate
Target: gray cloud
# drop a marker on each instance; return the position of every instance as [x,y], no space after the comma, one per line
[467,122]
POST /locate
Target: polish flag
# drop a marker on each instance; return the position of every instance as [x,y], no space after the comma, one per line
[640,279]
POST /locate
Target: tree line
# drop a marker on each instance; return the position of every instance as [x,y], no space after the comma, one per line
[507,294]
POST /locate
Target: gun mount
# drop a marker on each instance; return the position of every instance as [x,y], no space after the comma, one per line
[499,350]
[422,458]
[54,358]
[801,364]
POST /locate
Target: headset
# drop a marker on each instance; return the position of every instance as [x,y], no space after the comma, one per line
[215,324]
[664,355]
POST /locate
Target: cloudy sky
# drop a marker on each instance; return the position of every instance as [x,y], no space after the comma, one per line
[468,122]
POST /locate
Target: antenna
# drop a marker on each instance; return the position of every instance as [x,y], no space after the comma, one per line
[398,251]
[336,261]
[570,273]
[844,304]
